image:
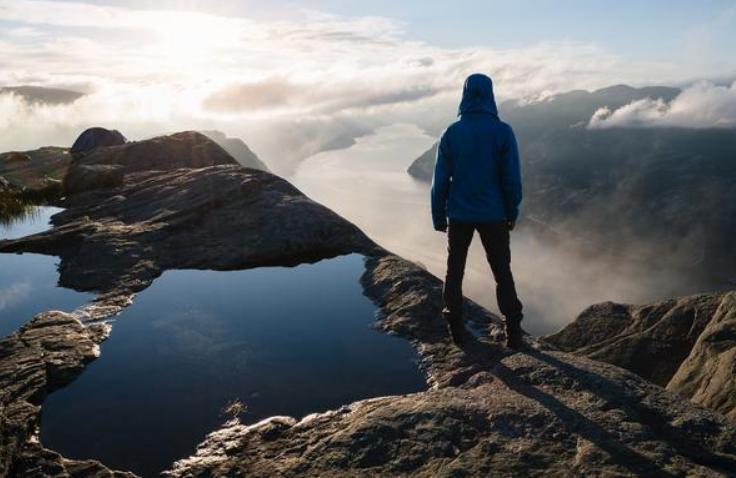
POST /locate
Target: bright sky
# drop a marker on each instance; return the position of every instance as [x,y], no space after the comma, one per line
[680,31]
[339,67]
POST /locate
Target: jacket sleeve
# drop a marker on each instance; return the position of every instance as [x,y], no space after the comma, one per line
[441,184]
[511,177]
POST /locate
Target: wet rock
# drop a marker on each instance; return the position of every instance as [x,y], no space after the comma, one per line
[82,177]
[687,345]
[45,354]
[36,461]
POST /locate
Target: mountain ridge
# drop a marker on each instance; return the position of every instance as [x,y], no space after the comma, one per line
[663,191]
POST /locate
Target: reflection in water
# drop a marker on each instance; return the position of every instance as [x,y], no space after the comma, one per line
[283,340]
[28,282]
[28,285]
[13,209]
[26,219]
[368,184]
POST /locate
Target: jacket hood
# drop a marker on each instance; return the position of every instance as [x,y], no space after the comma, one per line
[478,96]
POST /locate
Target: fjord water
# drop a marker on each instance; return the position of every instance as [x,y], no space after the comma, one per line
[367,183]
[28,282]
[284,341]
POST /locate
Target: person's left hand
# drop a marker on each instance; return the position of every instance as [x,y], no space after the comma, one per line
[510,225]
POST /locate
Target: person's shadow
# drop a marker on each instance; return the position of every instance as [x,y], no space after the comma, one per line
[488,356]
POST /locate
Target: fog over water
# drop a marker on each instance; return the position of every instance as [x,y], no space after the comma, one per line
[367,183]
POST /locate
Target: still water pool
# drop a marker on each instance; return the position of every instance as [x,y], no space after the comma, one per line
[284,341]
[29,221]
[28,285]
[28,282]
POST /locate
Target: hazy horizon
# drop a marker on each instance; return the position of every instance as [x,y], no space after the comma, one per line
[293,79]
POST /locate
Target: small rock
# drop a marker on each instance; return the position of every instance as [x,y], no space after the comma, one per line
[92,138]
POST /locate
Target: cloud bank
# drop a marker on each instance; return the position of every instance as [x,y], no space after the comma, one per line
[290,88]
[701,105]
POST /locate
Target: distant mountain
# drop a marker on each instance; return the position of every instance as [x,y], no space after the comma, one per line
[574,108]
[422,167]
[237,148]
[561,111]
[40,94]
[669,189]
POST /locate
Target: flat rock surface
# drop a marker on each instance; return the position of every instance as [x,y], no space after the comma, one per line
[527,414]
[487,413]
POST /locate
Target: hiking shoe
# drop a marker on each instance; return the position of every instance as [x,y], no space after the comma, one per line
[514,333]
[455,326]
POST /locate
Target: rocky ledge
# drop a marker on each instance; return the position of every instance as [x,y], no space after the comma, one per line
[487,412]
[687,345]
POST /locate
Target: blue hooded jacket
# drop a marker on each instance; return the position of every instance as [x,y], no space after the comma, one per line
[477,177]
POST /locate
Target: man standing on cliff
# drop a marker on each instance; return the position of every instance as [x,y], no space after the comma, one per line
[477,187]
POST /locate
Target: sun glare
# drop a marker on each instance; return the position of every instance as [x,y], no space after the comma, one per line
[191,37]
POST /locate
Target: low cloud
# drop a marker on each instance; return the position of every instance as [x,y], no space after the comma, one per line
[290,88]
[367,183]
[280,94]
[701,105]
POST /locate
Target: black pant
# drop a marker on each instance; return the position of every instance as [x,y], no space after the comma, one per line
[495,239]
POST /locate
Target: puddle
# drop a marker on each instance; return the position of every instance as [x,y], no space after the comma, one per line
[28,285]
[28,282]
[285,341]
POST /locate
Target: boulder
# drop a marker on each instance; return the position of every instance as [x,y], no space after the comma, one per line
[105,167]
[187,149]
[708,375]
[82,177]
[92,138]
[687,345]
